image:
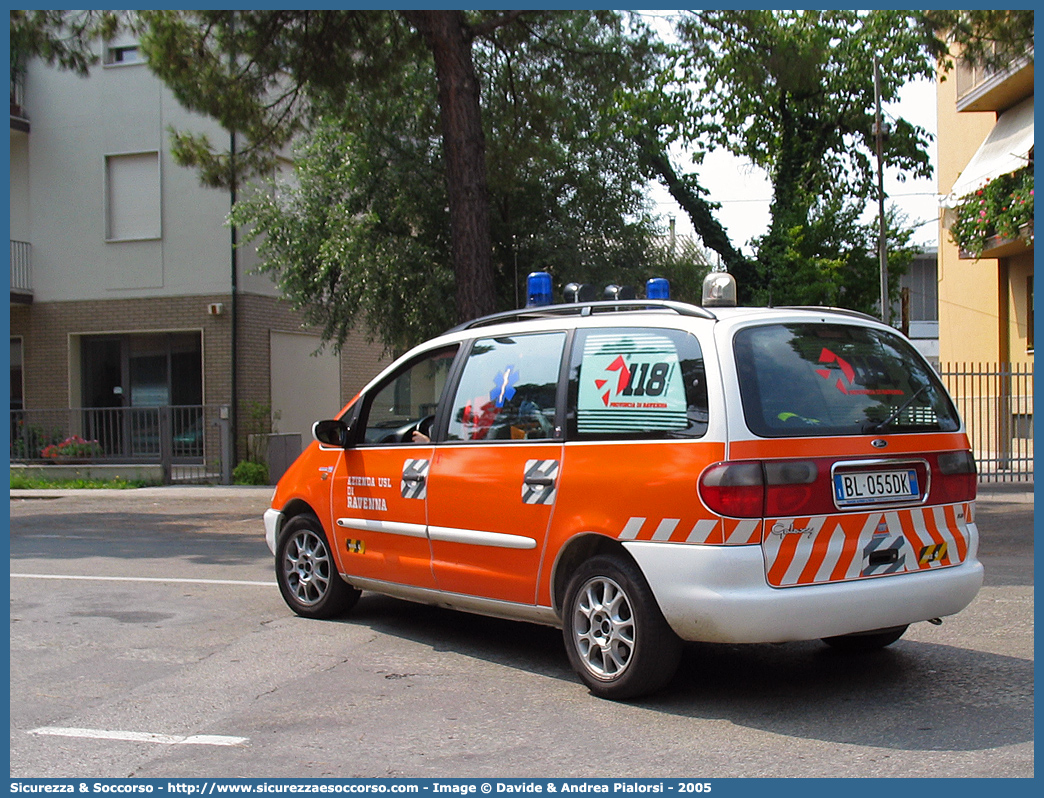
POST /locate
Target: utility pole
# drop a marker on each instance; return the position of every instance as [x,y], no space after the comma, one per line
[882,239]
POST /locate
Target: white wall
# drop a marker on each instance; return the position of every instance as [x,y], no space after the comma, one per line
[305,387]
[76,122]
[21,227]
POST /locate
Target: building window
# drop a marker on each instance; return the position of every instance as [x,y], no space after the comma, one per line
[142,370]
[124,381]
[123,54]
[132,193]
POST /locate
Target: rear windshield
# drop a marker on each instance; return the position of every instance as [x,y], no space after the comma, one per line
[831,379]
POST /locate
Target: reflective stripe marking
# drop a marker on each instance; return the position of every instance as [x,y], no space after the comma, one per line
[834,548]
[743,532]
[942,523]
[665,529]
[702,530]
[141,737]
[951,536]
[631,529]
[705,531]
[805,549]
[920,538]
[854,549]
[963,517]
[832,554]
[964,523]
[829,548]
[785,559]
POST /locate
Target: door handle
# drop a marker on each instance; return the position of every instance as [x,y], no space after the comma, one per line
[543,482]
[413,478]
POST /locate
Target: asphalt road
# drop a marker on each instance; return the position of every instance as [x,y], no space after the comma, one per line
[152,617]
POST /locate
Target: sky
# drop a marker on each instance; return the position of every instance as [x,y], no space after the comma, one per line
[744,192]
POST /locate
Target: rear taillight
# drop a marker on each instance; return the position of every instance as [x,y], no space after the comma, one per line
[774,489]
[956,479]
[734,489]
[790,488]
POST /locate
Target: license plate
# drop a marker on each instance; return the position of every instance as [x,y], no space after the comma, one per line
[875,487]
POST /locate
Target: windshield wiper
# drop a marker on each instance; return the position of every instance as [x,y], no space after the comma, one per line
[898,411]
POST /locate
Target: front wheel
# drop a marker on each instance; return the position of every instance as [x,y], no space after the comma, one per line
[615,635]
[306,572]
[866,641]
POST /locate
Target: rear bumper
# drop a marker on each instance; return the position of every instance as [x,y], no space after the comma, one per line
[719,594]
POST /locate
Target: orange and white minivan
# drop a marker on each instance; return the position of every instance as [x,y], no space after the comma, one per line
[641,473]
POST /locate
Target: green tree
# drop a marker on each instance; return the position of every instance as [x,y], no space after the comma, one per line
[832,259]
[59,38]
[793,92]
[985,37]
[257,73]
[361,238]
[568,193]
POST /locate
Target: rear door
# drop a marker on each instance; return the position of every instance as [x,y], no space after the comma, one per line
[493,481]
[868,472]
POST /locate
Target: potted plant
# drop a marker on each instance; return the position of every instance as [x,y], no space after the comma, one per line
[1000,211]
[73,449]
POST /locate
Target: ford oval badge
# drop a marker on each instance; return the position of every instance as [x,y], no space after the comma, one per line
[879,443]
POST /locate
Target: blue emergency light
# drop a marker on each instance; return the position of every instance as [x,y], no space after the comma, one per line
[658,288]
[538,289]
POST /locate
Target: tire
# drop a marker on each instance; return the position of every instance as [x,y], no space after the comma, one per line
[615,635]
[306,571]
[866,641]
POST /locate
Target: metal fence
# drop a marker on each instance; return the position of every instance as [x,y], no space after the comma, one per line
[996,402]
[190,443]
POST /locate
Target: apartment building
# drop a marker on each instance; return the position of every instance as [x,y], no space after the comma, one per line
[126,292]
[986,301]
[985,131]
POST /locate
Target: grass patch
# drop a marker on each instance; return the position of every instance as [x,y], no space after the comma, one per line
[22,482]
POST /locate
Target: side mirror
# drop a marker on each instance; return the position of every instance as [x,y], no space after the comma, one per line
[332,432]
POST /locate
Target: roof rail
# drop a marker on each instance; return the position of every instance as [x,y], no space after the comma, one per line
[823,308]
[586,309]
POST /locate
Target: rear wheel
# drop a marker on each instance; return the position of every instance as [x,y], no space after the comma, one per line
[866,641]
[615,635]
[306,572]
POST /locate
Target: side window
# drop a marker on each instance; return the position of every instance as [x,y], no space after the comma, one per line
[407,400]
[637,383]
[507,389]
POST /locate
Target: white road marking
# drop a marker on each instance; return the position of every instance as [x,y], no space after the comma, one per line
[141,737]
[145,579]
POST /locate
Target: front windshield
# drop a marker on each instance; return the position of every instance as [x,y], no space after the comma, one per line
[832,379]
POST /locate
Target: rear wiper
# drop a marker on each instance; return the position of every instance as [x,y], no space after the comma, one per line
[898,411]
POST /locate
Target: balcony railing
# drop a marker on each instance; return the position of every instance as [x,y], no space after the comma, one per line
[981,88]
[21,271]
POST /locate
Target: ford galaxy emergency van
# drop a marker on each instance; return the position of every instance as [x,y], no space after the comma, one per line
[640,473]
